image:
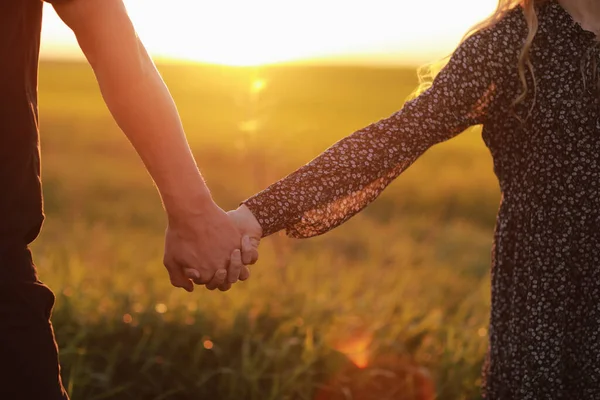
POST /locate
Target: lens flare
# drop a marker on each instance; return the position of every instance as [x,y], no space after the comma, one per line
[258,85]
[356,349]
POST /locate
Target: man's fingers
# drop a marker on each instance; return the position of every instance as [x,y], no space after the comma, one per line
[178,277]
[193,274]
[217,280]
[244,273]
[188,285]
[249,250]
[198,277]
[235,265]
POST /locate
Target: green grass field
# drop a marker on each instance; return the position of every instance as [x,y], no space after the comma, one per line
[392,305]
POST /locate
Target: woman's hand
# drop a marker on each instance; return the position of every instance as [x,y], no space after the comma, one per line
[251,232]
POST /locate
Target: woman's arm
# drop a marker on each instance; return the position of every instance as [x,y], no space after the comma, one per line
[353,172]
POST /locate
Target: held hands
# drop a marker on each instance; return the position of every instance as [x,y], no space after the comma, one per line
[205,248]
[199,245]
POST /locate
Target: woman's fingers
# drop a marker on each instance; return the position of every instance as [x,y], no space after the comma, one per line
[254,243]
[234,271]
[244,273]
[235,266]
[249,250]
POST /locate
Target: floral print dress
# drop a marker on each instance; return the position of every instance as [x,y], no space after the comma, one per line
[545,320]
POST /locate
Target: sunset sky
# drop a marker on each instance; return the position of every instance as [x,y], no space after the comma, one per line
[243,32]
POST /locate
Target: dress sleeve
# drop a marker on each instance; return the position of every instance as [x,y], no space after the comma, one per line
[353,172]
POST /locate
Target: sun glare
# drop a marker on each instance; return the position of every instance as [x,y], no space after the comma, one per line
[245,33]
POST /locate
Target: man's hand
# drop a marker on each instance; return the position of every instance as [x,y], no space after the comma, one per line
[200,237]
[199,248]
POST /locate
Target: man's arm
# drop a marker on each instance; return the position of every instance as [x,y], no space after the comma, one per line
[199,235]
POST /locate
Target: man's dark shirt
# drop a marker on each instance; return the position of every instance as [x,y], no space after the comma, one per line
[21,212]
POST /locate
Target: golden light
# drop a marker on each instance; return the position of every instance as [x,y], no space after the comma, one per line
[241,32]
[249,126]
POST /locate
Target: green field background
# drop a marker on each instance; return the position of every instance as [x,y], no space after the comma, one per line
[394,304]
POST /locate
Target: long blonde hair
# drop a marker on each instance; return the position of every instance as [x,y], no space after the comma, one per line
[428,72]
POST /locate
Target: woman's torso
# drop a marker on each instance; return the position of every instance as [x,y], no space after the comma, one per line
[546,150]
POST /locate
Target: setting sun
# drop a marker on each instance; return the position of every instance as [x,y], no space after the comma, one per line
[271,31]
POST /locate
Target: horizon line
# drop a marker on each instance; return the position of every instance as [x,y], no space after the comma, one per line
[309,62]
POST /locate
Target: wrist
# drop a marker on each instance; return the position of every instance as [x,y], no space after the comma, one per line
[188,206]
[251,220]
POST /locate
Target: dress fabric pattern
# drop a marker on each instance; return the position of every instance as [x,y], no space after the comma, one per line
[545,319]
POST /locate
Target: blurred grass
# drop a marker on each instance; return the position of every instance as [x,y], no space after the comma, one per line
[401,289]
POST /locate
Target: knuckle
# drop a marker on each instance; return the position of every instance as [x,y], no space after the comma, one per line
[176,283]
